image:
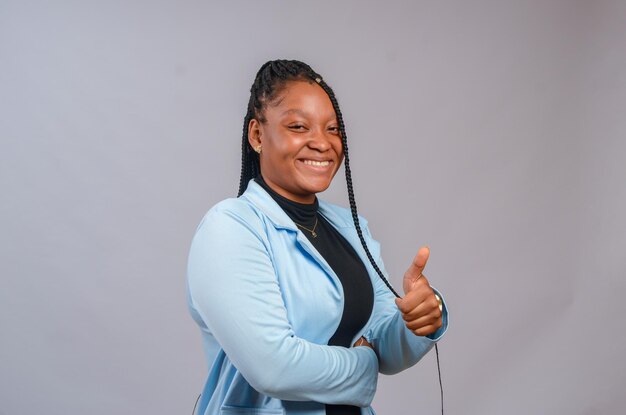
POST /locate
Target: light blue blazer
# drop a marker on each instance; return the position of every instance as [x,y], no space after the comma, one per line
[267,303]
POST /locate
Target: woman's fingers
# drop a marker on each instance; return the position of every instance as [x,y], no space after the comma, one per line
[426,330]
[420,311]
[421,292]
[424,321]
[429,306]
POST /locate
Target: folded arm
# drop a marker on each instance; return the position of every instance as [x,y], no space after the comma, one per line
[234,288]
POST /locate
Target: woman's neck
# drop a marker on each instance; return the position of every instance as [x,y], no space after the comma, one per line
[303,200]
[301,213]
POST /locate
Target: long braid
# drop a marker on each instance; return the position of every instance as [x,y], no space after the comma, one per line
[244,157]
[353,209]
[348,172]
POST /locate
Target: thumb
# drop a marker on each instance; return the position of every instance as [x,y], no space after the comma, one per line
[416,268]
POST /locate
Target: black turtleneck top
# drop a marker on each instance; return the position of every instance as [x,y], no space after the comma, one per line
[357,288]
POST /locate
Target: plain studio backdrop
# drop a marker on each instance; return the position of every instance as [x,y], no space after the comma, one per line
[494,131]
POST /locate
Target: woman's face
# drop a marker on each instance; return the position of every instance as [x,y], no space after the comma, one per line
[300,141]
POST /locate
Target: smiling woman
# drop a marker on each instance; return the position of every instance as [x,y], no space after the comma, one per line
[290,292]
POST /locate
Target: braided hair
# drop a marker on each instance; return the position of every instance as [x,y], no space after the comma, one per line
[269,81]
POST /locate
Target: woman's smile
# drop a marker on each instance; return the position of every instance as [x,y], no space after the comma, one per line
[316,163]
[316,166]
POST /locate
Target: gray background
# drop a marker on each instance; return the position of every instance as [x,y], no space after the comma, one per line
[492,130]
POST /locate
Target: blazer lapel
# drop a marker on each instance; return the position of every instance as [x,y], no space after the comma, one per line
[264,202]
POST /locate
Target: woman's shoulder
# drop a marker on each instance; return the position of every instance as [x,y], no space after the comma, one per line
[235,211]
[233,205]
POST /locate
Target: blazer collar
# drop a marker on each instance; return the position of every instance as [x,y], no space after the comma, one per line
[264,202]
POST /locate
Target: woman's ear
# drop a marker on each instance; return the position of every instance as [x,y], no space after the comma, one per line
[254,133]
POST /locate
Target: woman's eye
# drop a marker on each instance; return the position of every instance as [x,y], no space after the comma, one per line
[297,127]
[334,130]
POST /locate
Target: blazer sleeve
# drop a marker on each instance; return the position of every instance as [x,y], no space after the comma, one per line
[398,347]
[234,288]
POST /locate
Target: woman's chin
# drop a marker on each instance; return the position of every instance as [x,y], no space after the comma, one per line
[317,185]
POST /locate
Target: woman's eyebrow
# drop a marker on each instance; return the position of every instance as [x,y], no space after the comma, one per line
[296,111]
[303,113]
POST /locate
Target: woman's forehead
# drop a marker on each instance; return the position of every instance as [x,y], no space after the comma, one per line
[302,98]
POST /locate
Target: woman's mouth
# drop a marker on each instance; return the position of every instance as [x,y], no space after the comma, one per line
[317,167]
[316,163]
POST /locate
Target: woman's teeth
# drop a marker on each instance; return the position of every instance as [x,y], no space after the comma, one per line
[316,163]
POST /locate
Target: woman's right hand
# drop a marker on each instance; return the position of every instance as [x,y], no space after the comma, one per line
[363,342]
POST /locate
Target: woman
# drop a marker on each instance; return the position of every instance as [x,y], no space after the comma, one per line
[288,290]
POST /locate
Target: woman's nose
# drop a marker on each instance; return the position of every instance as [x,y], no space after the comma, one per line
[319,140]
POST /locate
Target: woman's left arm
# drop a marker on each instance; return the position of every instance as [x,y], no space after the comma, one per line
[398,346]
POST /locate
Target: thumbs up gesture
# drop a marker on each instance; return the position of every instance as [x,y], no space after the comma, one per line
[420,307]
